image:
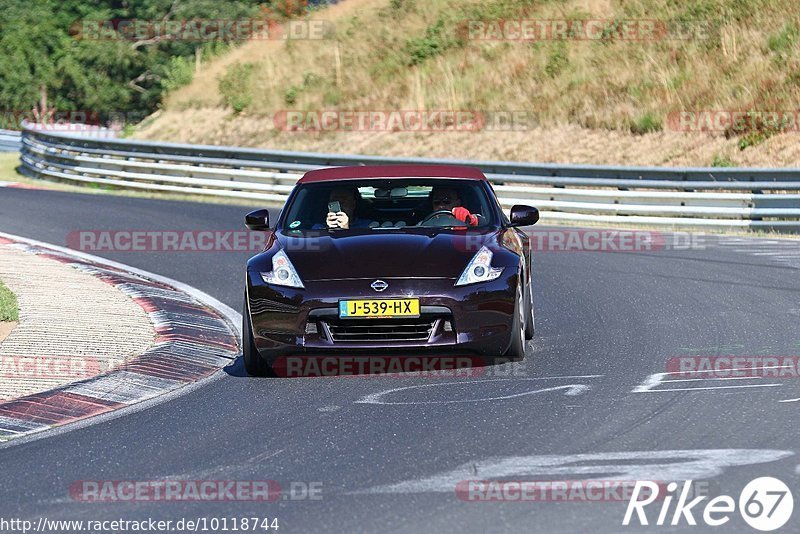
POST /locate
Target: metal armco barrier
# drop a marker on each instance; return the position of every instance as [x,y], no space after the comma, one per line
[10,141]
[762,199]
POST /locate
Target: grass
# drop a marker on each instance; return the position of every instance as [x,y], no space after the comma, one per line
[722,161]
[236,88]
[646,124]
[9,310]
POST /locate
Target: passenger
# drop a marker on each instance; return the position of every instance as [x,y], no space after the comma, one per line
[345,218]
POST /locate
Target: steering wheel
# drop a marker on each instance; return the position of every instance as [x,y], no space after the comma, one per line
[440,218]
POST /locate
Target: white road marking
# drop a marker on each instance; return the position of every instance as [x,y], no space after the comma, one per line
[715,387]
[656,379]
[329,408]
[790,400]
[562,376]
[653,465]
[716,378]
[650,382]
[781,251]
[265,456]
[377,398]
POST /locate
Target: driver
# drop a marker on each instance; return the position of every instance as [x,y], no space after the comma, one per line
[345,219]
[448,199]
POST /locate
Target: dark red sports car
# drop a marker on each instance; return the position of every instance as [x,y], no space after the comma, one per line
[379,261]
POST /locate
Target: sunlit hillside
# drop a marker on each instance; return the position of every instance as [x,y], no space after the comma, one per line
[615,99]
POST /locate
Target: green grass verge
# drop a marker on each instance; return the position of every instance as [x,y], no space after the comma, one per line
[9,310]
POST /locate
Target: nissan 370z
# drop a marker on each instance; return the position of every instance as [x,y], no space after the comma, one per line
[389,261]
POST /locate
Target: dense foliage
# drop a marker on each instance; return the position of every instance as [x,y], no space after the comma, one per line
[48,60]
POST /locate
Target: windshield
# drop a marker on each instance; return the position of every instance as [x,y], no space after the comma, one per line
[390,204]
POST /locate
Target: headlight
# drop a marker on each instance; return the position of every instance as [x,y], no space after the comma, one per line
[479,269]
[283,272]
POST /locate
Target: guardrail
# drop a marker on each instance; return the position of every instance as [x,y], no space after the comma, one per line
[10,141]
[764,199]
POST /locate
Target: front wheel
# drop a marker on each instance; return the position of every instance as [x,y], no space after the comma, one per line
[516,352]
[254,364]
[529,315]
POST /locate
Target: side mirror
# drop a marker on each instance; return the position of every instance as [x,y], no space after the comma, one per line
[257,220]
[524,215]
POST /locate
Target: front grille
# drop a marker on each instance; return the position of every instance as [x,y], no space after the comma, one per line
[382,330]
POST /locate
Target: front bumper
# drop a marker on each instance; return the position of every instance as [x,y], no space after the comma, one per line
[474,320]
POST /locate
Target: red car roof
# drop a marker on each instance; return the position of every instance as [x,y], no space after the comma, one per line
[392,171]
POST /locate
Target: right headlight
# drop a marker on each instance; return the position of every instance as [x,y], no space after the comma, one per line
[479,269]
[283,272]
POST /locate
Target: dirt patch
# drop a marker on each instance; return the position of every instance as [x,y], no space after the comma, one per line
[557,144]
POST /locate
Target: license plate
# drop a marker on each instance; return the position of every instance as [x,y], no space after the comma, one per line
[379,308]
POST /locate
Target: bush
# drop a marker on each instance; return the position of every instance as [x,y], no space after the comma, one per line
[784,42]
[722,161]
[291,95]
[332,97]
[647,123]
[235,86]
[434,43]
[179,72]
[557,61]
[758,128]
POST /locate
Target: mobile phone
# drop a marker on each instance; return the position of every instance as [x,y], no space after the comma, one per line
[334,207]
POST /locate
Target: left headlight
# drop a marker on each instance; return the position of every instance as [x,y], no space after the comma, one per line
[479,269]
[283,272]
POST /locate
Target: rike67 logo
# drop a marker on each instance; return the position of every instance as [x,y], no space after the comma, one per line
[765,504]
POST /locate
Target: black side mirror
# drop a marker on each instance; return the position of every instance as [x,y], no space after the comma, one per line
[257,220]
[524,215]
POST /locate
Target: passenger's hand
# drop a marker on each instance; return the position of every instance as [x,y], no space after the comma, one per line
[338,221]
[463,215]
[332,221]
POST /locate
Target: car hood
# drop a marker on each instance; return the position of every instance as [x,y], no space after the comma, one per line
[384,254]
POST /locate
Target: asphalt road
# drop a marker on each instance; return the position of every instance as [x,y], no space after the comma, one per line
[606,322]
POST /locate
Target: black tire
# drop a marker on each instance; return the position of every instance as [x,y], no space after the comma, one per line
[254,364]
[516,352]
[529,322]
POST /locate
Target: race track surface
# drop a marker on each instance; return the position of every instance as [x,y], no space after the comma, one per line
[606,322]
